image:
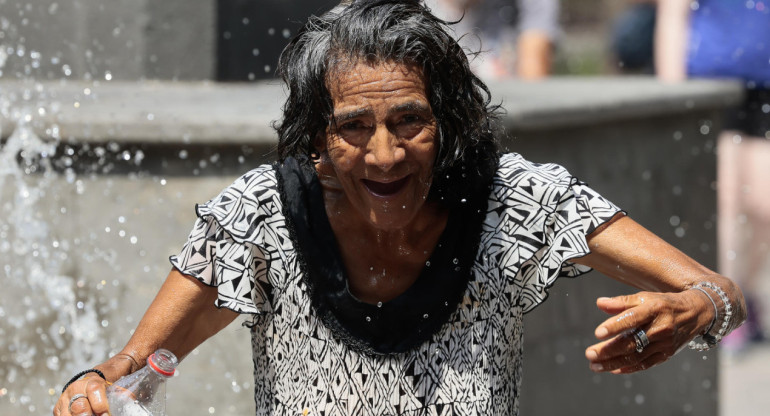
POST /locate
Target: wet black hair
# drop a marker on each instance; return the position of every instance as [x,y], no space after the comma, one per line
[400,31]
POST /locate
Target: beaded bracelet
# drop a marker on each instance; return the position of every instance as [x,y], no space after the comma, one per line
[712,340]
[81,374]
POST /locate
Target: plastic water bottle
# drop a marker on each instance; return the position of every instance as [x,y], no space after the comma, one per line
[143,393]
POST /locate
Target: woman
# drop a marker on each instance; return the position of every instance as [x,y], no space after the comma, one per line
[389,257]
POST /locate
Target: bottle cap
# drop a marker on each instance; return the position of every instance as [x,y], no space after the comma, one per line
[151,361]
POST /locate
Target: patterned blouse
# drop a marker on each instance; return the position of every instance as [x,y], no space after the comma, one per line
[450,345]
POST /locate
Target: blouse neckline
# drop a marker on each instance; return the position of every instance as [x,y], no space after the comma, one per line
[386,327]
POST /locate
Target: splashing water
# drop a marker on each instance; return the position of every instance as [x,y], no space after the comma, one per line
[44,308]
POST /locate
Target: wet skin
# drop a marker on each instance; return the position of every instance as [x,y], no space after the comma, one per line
[376,168]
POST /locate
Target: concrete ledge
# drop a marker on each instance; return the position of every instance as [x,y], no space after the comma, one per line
[581,101]
[210,113]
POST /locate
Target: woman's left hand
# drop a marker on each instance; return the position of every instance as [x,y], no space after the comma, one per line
[669,322]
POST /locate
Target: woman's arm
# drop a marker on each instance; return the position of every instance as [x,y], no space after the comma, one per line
[671,38]
[180,318]
[670,313]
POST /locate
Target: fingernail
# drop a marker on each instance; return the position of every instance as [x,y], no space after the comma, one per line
[592,355]
[602,332]
[604,298]
[596,367]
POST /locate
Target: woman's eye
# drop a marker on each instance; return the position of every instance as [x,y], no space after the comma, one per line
[352,126]
[410,118]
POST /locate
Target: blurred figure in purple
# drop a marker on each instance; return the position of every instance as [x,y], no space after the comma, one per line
[515,36]
[731,39]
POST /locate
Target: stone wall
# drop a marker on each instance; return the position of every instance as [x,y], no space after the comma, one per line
[119,39]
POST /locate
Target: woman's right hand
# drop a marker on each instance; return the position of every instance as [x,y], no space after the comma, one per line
[87,396]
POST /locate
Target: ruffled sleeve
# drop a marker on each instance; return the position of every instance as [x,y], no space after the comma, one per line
[230,246]
[548,213]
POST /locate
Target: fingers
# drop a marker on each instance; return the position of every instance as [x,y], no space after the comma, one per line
[616,352]
[620,353]
[651,361]
[96,390]
[80,407]
[86,397]
[627,311]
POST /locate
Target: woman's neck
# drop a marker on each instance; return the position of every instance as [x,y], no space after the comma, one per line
[383,263]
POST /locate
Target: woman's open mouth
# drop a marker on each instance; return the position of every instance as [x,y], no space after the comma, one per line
[385,188]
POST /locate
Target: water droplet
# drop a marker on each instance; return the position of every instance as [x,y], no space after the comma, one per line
[286,33]
[379,304]
[455,260]
[425,316]
[427,263]
[368,319]
[183,154]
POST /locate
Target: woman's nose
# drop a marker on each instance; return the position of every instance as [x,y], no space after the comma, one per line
[383,150]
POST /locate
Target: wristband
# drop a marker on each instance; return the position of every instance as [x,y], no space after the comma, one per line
[81,374]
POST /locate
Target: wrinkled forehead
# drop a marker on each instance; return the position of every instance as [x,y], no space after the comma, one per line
[343,72]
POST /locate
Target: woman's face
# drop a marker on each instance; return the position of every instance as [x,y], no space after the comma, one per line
[381,141]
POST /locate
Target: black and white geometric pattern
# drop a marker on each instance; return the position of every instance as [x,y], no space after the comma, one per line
[538,217]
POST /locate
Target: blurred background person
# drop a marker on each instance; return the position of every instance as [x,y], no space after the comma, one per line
[731,39]
[632,36]
[516,36]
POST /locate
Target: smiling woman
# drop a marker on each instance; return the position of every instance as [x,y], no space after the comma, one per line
[390,254]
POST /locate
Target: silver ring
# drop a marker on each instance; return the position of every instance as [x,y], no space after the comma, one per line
[75,397]
[641,340]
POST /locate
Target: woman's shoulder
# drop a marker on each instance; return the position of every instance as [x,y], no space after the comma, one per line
[251,197]
[515,173]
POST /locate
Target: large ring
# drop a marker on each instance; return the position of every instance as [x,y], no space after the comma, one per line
[75,397]
[641,340]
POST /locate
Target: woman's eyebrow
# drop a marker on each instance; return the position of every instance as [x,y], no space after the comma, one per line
[344,116]
[416,106]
